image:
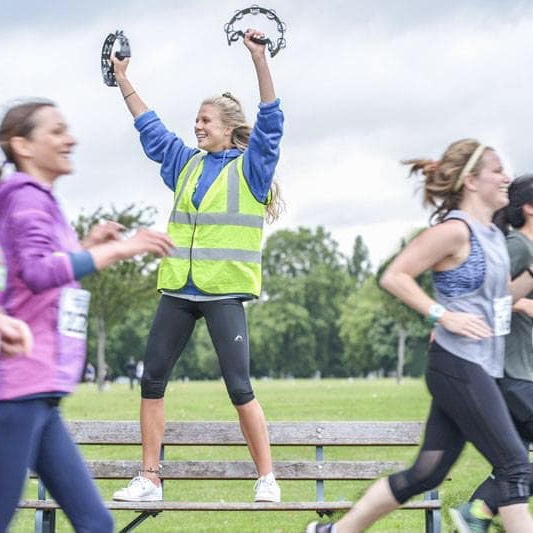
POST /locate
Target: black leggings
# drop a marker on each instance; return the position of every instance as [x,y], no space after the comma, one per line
[518,394]
[467,405]
[171,329]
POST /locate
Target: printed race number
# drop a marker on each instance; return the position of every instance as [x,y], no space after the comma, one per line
[502,315]
[74,312]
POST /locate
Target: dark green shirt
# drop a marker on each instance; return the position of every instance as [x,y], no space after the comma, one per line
[519,344]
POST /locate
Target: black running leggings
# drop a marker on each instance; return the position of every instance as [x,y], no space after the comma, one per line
[518,394]
[171,329]
[467,405]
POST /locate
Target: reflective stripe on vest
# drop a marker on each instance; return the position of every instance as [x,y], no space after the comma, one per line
[219,243]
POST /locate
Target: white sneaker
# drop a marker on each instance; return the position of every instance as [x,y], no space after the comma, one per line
[267,490]
[139,489]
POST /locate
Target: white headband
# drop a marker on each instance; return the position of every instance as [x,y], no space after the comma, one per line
[474,158]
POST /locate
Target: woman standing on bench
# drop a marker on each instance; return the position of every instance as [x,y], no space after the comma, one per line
[222,191]
[471,314]
[44,260]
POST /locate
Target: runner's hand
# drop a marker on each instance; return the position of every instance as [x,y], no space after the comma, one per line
[471,326]
[148,241]
[104,232]
[15,336]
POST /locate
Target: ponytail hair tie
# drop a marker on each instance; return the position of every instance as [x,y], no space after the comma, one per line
[227,94]
[431,167]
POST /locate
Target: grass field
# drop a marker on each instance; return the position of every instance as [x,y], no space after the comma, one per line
[381,399]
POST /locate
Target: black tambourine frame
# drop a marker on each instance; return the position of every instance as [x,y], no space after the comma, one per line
[108,72]
[233,34]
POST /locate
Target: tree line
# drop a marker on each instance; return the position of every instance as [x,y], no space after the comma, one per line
[321,313]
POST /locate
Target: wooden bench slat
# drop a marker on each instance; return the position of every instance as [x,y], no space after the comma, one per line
[285,470]
[228,506]
[229,433]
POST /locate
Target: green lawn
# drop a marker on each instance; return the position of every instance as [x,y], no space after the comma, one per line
[356,399]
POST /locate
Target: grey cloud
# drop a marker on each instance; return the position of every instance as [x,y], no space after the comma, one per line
[363,85]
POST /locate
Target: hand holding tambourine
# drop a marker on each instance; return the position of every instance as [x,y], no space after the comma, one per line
[123,51]
[233,34]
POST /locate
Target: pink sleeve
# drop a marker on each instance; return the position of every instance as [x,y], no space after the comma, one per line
[41,256]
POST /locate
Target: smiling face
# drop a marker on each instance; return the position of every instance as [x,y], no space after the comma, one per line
[491,183]
[211,133]
[35,137]
[49,145]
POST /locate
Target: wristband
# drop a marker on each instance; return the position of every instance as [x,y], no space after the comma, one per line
[529,271]
[435,312]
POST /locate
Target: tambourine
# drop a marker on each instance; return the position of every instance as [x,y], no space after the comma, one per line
[108,72]
[233,34]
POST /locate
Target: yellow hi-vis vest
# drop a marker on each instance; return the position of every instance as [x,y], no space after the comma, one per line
[219,243]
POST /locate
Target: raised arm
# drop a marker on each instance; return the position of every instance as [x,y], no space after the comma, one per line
[264,78]
[134,102]
[158,143]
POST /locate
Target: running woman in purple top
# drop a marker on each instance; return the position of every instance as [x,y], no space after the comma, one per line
[42,261]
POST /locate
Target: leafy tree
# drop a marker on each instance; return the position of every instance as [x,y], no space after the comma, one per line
[408,322]
[281,341]
[359,313]
[128,336]
[359,265]
[120,287]
[205,357]
[290,254]
[306,268]
[370,335]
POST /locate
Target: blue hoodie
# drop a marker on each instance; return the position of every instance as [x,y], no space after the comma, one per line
[260,157]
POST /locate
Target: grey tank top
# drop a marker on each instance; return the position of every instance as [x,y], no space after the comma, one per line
[490,300]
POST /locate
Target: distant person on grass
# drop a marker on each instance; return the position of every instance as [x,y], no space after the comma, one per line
[223,190]
[43,261]
[516,221]
[131,368]
[467,254]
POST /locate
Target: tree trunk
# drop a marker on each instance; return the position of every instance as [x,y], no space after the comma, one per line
[100,353]
[402,336]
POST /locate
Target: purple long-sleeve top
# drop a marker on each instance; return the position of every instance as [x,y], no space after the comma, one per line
[40,289]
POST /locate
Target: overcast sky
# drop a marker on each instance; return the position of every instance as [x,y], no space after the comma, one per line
[363,84]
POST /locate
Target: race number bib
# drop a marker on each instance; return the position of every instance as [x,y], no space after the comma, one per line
[74,312]
[502,315]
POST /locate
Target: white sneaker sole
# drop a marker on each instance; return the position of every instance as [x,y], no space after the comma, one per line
[133,499]
[311,528]
[459,521]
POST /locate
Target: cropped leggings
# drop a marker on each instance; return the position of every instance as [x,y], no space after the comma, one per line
[518,395]
[467,405]
[172,328]
[32,435]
